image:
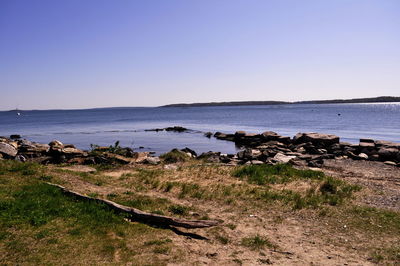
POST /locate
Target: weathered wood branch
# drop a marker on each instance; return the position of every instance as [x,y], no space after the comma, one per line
[142,216]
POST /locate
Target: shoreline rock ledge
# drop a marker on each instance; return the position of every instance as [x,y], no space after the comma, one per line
[308,148]
[304,149]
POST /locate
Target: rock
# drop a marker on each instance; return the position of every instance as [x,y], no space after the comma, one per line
[389,154]
[367,140]
[249,154]
[270,135]
[284,139]
[240,134]
[219,134]
[20,158]
[298,162]
[152,160]
[226,158]
[14,144]
[317,139]
[8,150]
[34,148]
[208,154]
[176,129]
[56,143]
[25,142]
[257,162]
[191,152]
[208,134]
[119,158]
[293,154]
[213,159]
[15,136]
[387,144]
[390,163]
[306,157]
[374,157]
[72,152]
[300,150]
[281,158]
[223,136]
[139,157]
[69,146]
[363,156]
[367,143]
[315,163]
[155,129]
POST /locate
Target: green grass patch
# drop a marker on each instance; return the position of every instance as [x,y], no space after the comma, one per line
[39,204]
[258,242]
[15,167]
[324,189]
[274,174]
[39,225]
[373,220]
[314,197]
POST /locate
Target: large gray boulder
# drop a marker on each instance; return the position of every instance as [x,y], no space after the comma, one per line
[387,144]
[8,150]
[367,144]
[317,139]
[389,154]
[282,158]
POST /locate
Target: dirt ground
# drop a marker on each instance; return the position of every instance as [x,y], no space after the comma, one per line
[381,181]
[298,237]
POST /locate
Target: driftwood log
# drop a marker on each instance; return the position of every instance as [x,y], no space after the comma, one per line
[142,216]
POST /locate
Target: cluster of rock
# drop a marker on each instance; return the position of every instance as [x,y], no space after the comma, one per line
[57,152]
[173,129]
[304,149]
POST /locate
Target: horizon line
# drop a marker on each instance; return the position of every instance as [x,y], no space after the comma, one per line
[223,103]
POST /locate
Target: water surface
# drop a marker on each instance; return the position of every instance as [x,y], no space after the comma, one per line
[105,126]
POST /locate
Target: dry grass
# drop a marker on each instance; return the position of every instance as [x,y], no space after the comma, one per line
[291,217]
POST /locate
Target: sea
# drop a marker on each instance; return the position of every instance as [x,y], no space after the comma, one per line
[105,126]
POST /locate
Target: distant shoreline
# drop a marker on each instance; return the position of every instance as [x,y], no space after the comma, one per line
[381,99]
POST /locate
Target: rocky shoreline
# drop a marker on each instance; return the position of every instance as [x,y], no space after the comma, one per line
[304,149]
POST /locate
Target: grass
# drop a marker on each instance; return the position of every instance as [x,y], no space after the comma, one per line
[382,255]
[274,174]
[174,156]
[40,225]
[258,242]
[39,204]
[372,220]
[26,169]
[143,179]
[179,209]
[157,242]
[324,189]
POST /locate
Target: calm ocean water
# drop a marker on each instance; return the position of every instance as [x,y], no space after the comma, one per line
[105,126]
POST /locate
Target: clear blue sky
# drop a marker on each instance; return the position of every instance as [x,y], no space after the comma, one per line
[95,53]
